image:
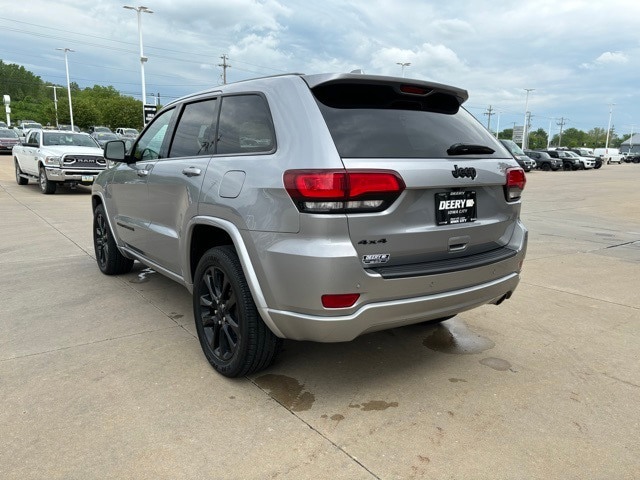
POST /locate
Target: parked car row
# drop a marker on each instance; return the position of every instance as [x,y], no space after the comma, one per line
[553,159]
[121,132]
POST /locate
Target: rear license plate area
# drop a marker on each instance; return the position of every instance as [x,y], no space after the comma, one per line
[456,207]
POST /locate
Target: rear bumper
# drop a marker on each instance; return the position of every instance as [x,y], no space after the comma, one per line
[383,315]
[294,279]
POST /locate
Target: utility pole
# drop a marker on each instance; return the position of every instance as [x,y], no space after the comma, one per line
[55,101]
[561,124]
[527,128]
[224,66]
[488,113]
[526,111]
[609,126]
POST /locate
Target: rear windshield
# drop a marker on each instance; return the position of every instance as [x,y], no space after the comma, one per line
[375,121]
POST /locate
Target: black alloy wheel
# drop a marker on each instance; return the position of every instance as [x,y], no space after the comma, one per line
[232,335]
[109,259]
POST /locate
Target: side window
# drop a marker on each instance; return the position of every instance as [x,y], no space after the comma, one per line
[33,138]
[245,125]
[195,130]
[149,145]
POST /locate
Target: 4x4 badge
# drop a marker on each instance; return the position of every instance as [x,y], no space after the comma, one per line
[463,172]
[375,258]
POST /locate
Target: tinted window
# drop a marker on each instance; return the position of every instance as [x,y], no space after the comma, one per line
[375,121]
[149,145]
[245,125]
[195,131]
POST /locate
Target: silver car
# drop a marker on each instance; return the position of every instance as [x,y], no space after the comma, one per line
[314,207]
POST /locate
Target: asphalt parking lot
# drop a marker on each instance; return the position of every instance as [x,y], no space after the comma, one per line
[103,377]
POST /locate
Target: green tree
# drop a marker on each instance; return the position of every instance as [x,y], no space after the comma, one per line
[85,112]
[538,139]
[123,112]
[506,134]
[572,137]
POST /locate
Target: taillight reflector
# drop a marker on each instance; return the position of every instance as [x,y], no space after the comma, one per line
[341,300]
[516,180]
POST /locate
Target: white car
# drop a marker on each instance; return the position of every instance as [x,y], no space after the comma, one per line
[55,157]
[587,162]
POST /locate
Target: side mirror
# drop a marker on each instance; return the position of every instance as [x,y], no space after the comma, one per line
[115,150]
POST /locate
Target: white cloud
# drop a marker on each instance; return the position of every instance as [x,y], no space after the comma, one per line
[612,57]
[607,59]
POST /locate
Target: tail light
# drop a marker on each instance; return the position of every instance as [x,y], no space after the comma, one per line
[343,191]
[516,181]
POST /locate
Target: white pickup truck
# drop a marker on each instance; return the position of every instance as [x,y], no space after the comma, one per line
[53,157]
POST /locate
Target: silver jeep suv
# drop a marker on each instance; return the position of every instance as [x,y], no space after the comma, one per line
[314,207]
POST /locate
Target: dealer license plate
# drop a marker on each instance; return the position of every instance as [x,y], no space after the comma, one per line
[456,207]
[87,178]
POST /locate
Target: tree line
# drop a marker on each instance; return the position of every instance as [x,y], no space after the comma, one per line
[571,138]
[33,99]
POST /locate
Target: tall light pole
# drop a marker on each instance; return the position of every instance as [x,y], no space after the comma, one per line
[549,134]
[405,64]
[55,100]
[606,145]
[524,127]
[66,64]
[143,59]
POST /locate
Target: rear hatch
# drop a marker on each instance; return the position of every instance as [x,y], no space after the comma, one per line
[453,207]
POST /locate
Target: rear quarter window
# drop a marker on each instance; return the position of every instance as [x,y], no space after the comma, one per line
[245,125]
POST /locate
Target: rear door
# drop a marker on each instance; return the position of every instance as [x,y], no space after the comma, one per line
[455,172]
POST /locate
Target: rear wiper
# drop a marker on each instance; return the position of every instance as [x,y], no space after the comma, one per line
[469,149]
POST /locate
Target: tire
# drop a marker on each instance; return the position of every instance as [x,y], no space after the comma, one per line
[109,259]
[47,187]
[20,180]
[233,337]
[546,167]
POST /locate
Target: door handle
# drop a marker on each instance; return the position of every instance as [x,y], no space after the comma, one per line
[142,173]
[191,171]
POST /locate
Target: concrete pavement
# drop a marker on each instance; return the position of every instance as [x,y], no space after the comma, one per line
[103,377]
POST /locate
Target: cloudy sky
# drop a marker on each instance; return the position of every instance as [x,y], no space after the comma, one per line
[580,57]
